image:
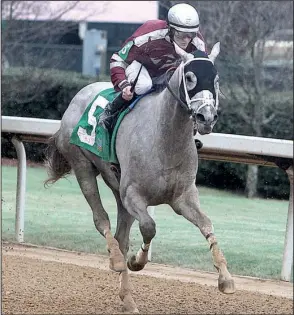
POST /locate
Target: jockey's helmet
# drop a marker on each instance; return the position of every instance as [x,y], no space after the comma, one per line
[183,17]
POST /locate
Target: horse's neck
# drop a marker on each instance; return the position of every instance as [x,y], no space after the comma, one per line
[172,115]
[174,126]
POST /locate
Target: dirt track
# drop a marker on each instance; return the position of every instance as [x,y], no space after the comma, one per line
[48,281]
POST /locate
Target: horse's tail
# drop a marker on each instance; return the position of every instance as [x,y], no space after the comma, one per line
[57,166]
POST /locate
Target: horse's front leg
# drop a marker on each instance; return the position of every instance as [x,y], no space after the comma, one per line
[122,234]
[86,177]
[137,207]
[189,207]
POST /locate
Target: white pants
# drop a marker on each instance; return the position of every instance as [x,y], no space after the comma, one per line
[144,82]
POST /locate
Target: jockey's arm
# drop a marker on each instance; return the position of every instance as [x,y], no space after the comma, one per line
[120,61]
[129,52]
[117,72]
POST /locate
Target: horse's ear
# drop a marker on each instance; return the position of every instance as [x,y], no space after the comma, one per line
[214,52]
[222,95]
[181,52]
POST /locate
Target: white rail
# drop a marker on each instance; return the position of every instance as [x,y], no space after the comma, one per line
[220,147]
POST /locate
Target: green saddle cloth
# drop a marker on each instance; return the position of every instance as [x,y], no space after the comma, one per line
[88,135]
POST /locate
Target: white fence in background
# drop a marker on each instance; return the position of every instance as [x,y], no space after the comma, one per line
[219,147]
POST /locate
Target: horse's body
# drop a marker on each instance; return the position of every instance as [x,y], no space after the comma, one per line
[158,161]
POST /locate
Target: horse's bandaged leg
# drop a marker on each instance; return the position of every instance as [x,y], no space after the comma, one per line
[198,218]
[225,281]
[125,293]
[142,254]
[116,258]
[136,205]
[138,262]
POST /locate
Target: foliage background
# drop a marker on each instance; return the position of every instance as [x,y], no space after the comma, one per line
[259,95]
[19,98]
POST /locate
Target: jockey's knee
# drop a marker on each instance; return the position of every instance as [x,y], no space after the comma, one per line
[144,83]
[143,87]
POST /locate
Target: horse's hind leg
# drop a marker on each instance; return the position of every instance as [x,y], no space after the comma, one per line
[188,206]
[86,177]
[136,206]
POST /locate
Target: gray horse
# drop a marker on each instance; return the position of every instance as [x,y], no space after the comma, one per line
[158,162]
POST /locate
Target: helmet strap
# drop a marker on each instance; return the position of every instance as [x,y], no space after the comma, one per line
[171,33]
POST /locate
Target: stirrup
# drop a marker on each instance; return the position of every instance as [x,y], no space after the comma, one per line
[104,119]
[105,123]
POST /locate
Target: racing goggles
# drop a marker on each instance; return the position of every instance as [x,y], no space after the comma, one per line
[184,35]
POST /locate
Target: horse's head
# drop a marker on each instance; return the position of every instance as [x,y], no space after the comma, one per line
[199,88]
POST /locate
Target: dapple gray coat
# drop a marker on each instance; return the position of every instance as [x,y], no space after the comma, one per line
[158,161]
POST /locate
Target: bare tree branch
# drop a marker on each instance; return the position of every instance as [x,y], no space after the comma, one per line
[244,116]
[253,80]
[18,35]
[269,119]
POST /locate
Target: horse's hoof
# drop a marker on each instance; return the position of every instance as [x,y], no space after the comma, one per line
[135,311]
[130,310]
[133,265]
[118,267]
[117,261]
[129,306]
[117,264]
[226,286]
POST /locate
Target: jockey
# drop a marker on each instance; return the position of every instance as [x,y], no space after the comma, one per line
[152,47]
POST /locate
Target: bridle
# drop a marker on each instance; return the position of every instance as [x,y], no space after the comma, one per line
[187,106]
[182,104]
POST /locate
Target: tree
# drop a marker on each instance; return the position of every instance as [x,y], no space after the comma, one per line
[256,61]
[254,24]
[29,29]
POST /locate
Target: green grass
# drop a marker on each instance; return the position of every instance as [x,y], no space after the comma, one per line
[250,232]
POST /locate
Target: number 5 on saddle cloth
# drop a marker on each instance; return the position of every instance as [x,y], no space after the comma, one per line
[95,138]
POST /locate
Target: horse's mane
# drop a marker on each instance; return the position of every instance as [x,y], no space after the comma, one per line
[200,54]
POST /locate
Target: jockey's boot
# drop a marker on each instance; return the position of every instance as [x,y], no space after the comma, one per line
[106,118]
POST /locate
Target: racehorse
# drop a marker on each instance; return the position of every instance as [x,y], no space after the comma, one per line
[158,163]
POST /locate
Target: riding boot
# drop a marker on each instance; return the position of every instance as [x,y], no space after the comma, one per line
[106,118]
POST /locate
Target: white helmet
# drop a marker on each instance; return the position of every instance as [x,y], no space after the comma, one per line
[183,17]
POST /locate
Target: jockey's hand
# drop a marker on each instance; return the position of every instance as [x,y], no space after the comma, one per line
[127,94]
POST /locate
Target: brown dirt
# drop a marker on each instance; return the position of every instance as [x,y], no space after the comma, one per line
[38,280]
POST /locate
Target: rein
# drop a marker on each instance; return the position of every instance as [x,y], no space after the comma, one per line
[183,105]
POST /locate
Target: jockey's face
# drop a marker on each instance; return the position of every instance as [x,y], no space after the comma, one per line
[183,38]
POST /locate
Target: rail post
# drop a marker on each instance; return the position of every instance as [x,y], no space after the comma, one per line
[288,247]
[21,189]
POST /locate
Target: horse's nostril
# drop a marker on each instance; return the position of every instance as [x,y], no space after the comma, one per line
[200,118]
[215,117]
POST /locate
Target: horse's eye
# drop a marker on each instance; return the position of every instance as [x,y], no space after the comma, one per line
[191,80]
